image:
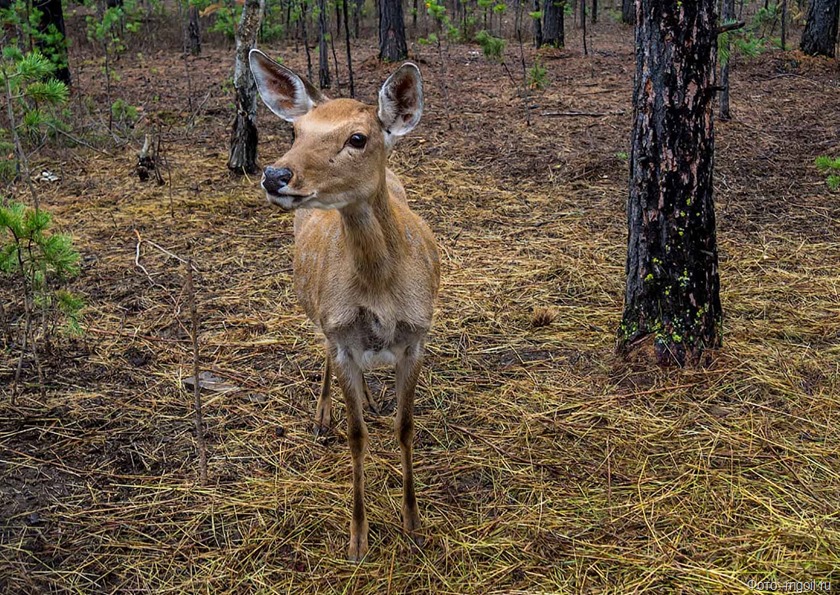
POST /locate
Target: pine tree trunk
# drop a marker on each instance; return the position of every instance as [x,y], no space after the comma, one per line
[243,138]
[728,15]
[194,31]
[323,50]
[538,34]
[53,15]
[672,300]
[392,45]
[820,35]
[554,23]
[628,11]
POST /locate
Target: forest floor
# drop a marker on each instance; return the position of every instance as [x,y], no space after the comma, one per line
[543,462]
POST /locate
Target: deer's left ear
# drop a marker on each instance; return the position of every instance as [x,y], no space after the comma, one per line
[401,101]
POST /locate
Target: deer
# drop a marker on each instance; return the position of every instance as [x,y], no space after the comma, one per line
[366,267]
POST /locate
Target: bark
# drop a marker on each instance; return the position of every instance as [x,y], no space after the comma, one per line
[628,11]
[554,23]
[194,31]
[728,15]
[323,51]
[820,35]
[392,45]
[52,15]
[243,138]
[347,47]
[538,34]
[672,300]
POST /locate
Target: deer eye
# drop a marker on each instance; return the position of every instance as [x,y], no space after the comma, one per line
[357,141]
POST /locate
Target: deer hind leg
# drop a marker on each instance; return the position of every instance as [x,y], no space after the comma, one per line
[369,401]
[408,370]
[351,381]
[323,411]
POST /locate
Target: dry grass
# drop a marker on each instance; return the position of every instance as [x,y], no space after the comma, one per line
[544,465]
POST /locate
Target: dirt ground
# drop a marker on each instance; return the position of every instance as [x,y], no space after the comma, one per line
[544,464]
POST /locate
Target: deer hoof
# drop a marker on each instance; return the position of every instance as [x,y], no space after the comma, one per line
[358,548]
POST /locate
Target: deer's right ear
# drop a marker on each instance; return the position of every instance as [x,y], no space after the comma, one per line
[285,93]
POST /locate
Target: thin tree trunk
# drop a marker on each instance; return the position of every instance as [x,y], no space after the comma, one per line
[347,46]
[784,23]
[392,44]
[583,25]
[820,35]
[728,16]
[303,18]
[538,34]
[672,310]
[243,138]
[194,31]
[323,51]
[594,11]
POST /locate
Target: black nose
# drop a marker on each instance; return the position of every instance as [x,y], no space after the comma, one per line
[276,178]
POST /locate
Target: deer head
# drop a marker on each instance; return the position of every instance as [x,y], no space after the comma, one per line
[341,146]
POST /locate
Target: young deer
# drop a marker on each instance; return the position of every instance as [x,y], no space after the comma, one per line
[366,267]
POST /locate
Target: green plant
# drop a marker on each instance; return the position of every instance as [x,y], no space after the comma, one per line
[537,76]
[24,22]
[493,47]
[831,167]
[42,262]
[33,98]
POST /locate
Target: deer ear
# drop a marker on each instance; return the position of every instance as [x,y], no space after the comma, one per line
[284,92]
[401,101]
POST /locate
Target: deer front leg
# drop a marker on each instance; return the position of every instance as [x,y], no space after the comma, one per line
[351,381]
[323,411]
[408,370]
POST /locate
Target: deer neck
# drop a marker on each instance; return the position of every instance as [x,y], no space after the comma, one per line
[373,243]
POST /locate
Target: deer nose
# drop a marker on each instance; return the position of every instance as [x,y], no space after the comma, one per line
[276,178]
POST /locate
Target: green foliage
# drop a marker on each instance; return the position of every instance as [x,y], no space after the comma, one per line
[24,21]
[123,112]
[43,260]
[831,167]
[493,47]
[36,98]
[538,76]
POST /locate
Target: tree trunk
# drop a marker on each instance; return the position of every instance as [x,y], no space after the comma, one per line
[347,47]
[628,11]
[554,23]
[194,31]
[392,45]
[820,35]
[728,16]
[594,11]
[52,15]
[323,50]
[672,300]
[243,137]
[538,33]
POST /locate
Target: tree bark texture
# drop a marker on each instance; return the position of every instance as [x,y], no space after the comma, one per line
[672,300]
[194,30]
[554,23]
[52,15]
[728,16]
[323,50]
[820,35]
[243,138]
[538,34]
[628,11]
[392,45]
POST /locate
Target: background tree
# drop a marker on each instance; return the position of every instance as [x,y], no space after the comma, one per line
[392,45]
[323,52]
[53,42]
[628,11]
[243,137]
[728,14]
[672,297]
[820,35]
[554,23]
